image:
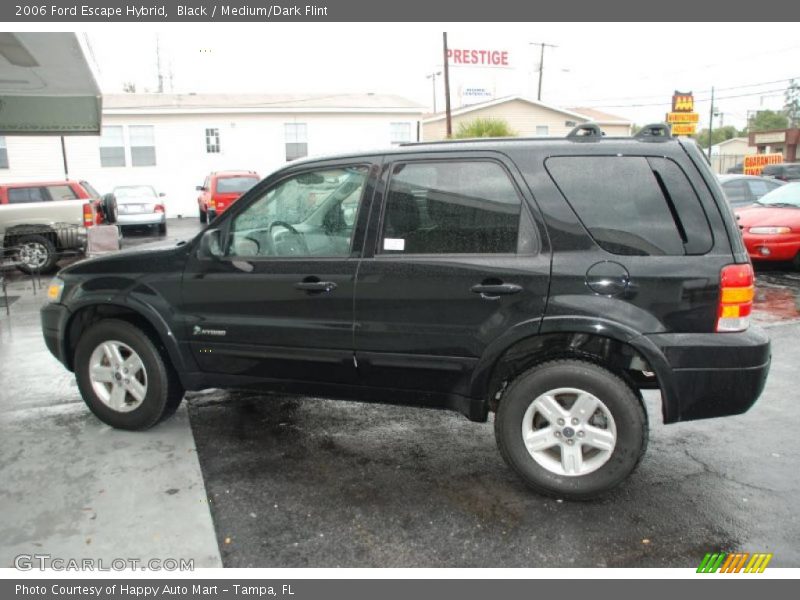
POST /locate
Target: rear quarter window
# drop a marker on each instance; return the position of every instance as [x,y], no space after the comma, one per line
[25,195]
[634,205]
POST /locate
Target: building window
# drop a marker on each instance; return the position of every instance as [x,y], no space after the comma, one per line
[542,130]
[3,153]
[212,141]
[399,133]
[296,140]
[143,145]
[112,147]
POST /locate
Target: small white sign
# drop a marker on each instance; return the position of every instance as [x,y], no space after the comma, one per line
[394,244]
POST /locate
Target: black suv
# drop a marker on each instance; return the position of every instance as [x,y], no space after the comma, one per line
[548,281]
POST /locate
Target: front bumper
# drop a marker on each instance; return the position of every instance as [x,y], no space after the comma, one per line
[714,374]
[780,247]
[54,324]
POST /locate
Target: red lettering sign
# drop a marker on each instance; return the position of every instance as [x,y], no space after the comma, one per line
[481,58]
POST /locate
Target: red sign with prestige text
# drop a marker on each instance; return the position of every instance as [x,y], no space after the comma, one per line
[468,57]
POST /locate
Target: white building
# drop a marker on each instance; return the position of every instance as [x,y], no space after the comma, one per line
[172,141]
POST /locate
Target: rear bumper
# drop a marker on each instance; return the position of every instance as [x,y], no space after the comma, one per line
[714,374]
[54,324]
[141,219]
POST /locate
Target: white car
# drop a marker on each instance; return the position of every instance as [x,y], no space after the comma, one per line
[140,205]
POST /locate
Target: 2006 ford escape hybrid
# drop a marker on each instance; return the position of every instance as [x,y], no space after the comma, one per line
[549,281]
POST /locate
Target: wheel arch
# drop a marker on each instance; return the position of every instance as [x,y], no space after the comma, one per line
[629,355]
[139,315]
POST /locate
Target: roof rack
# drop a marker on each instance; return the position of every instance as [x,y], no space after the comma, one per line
[654,132]
[586,132]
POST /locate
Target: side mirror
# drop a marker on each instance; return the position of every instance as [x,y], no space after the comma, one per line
[161,194]
[210,248]
[200,188]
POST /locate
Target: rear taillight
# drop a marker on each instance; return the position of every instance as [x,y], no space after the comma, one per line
[159,208]
[736,292]
[88,215]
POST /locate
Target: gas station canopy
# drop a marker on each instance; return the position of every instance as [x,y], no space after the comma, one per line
[47,86]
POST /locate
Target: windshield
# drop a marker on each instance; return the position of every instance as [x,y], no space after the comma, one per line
[786,195]
[134,191]
[235,184]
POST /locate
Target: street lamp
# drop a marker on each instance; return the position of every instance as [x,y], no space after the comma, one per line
[433,77]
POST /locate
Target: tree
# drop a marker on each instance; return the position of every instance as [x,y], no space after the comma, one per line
[484,127]
[719,134]
[792,104]
[767,119]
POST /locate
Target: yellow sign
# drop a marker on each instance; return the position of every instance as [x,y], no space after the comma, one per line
[683,117]
[755,163]
[682,102]
[684,128]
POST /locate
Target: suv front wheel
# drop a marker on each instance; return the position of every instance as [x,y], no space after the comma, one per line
[123,378]
[571,429]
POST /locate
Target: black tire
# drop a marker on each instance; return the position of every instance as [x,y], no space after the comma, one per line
[164,392]
[624,405]
[162,229]
[203,216]
[796,262]
[40,246]
[108,204]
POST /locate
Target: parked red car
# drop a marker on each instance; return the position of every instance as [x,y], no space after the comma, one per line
[221,189]
[771,226]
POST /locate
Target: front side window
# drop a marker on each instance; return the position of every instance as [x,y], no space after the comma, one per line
[3,153]
[143,145]
[399,133]
[112,147]
[296,140]
[468,207]
[310,214]
[212,141]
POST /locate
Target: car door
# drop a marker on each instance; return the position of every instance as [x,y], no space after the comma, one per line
[277,301]
[453,260]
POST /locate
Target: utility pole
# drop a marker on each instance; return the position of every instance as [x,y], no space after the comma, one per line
[447,87]
[710,122]
[542,45]
[433,76]
[64,157]
[158,65]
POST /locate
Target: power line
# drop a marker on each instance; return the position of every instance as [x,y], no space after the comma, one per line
[735,87]
[764,93]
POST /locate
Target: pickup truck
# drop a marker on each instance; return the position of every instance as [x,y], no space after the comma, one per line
[46,221]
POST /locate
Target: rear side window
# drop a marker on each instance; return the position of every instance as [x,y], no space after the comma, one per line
[633,205]
[61,192]
[25,195]
[736,191]
[458,207]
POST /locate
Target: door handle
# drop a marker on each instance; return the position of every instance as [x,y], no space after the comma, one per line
[492,290]
[315,286]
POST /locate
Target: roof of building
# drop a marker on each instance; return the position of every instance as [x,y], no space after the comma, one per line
[731,140]
[600,117]
[170,103]
[583,114]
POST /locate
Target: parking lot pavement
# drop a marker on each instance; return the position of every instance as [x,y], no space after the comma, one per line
[72,487]
[295,482]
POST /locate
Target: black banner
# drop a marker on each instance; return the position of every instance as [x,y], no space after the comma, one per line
[240,11]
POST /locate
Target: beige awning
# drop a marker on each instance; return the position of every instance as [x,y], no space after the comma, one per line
[47,86]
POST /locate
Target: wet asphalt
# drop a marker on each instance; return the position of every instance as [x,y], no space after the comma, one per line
[306,482]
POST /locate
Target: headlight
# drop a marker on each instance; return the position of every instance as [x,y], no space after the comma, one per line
[770,230]
[55,289]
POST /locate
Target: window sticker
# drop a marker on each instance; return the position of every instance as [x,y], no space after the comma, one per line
[394,244]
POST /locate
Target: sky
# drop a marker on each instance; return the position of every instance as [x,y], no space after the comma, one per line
[628,69]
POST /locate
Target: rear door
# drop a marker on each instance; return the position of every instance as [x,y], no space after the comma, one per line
[453,260]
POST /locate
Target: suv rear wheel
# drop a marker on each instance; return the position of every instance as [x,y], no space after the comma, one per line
[37,254]
[571,429]
[123,378]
